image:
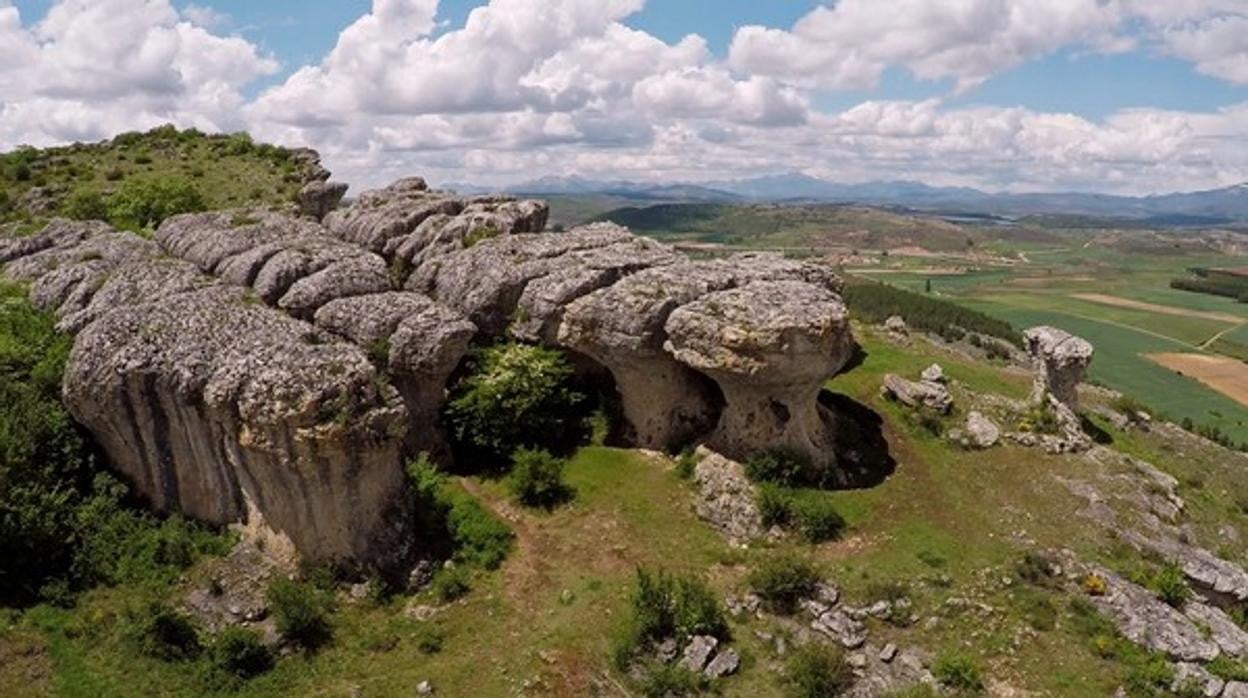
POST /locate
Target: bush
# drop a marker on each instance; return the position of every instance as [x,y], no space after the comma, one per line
[958,671]
[666,680]
[1171,585]
[1035,568]
[429,640]
[142,203]
[780,467]
[666,607]
[158,631]
[301,612]
[784,581]
[811,513]
[452,522]
[818,671]
[516,396]
[85,205]
[451,584]
[536,479]
[686,463]
[238,653]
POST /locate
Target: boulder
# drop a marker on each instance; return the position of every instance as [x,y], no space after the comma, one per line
[698,652]
[896,326]
[724,664]
[933,396]
[1061,364]
[727,499]
[933,374]
[769,345]
[981,432]
[318,198]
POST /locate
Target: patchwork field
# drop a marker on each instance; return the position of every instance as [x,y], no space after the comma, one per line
[1225,375]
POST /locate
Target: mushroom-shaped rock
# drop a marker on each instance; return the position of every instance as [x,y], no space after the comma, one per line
[229,411]
[622,327]
[769,345]
[1061,363]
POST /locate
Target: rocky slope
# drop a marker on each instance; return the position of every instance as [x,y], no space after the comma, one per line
[260,367]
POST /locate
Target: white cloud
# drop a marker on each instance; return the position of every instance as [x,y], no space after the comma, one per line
[1218,47]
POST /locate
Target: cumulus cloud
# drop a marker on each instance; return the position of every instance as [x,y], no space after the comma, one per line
[90,68]
[525,88]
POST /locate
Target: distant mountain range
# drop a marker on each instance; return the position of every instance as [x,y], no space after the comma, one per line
[1212,207]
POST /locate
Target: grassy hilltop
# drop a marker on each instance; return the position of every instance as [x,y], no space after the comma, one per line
[137,179]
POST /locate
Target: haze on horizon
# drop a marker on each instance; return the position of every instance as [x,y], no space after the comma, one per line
[1122,96]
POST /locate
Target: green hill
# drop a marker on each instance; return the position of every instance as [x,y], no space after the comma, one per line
[136,178]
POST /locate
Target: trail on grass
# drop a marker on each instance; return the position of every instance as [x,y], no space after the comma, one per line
[524,567]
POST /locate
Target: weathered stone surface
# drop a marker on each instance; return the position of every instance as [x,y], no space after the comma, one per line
[225,411]
[1187,675]
[769,345]
[527,279]
[698,652]
[1235,689]
[933,374]
[1145,620]
[317,199]
[1061,361]
[933,396]
[981,432]
[840,626]
[896,326]
[724,664]
[1210,573]
[59,233]
[726,498]
[135,284]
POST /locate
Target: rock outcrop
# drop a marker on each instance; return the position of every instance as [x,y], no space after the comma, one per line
[253,366]
[1061,361]
[926,394]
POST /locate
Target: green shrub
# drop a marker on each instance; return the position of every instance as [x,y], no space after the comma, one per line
[536,479]
[451,584]
[784,581]
[1171,585]
[780,467]
[144,203]
[158,631]
[1035,568]
[818,671]
[429,640]
[516,396]
[1153,677]
[454,524]
[85,205]
[477,235]
[663,607]
[958,671]
[810,512]
[301,612]
[237,653]
[667,680]
[686,462]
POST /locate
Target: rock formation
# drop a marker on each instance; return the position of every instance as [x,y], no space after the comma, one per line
[929,394]
[252,366]
[1061,361]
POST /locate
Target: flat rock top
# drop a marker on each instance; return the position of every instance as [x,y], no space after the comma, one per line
[790,327]
[1058,344]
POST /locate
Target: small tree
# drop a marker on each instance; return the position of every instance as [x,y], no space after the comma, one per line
[141,203]
[301,612]
[516,396]
[537,479]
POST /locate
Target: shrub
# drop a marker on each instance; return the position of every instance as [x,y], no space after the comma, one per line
[301,612]
[1171,585]
[780,467]
[85,205]
[453,523]
[158,631]
[663,607]
[429,640]
[666,680]
[784,581]
[142,203]
[238,653]
[451,584]
[1152,677]
[958,671]
[477,235]
[811,513]
[686,463]
[1035,568]
[818,671]
[536,479]
[516,396]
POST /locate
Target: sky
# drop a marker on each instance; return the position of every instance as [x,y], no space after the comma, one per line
[1121,96]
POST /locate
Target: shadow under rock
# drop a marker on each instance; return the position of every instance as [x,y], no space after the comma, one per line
[862,452]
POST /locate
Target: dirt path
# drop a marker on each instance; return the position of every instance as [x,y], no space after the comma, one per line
[1117,302]
[1209,342]
[525,567]
[1225,375]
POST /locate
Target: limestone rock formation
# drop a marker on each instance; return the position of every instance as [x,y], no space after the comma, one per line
[261,367]
[981,432]
[768,345]
[318,198]
[727,499]
[1061,363]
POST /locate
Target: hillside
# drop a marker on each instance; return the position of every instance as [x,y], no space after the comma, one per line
[186,170]
[419,445]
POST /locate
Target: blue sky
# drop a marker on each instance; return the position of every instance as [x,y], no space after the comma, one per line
[1150,95]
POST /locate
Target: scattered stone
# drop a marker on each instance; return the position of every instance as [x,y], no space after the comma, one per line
[840,626]
[933,374]
[698,652]
[1187,674]
[896,326]
[981,432]
[933,396]
[1235,689]
[724,664]
[667,650]
[424,688]
[888,653]
[827,593]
